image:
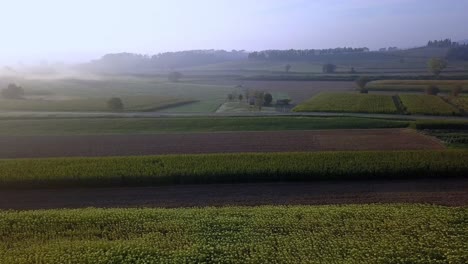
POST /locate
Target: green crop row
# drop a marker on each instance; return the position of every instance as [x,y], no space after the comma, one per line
[267,234]
[427,105]
[73,126]
[230,168]
[349,102]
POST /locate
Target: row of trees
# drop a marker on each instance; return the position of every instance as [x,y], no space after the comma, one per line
[444,43]
[305,54]
[167,60]
[256,98]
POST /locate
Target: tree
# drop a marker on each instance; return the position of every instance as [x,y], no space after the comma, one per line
[437,65]
[267,99]
[457,90]
[13,91]
[287,68]
[241,97]
[259,99]
[352,71]
[361,83]
[432,90]
[230,97]
[115,104]
[328,68]
[174,76]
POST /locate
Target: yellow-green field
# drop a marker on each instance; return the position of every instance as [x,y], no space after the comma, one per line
[416,85]
[349,102]
[460,101]
[427,105]
[267,234]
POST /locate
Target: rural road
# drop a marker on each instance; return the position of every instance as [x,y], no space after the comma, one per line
[26,114]
[215,142]
[441,192]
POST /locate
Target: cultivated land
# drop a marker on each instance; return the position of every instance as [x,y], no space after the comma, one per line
[131,104]
[446,192]
[77,126]
[427,105]
[461,102]
[399,231]
[293,234]
[231,168]
[416,85]
[266,141]
[349,102]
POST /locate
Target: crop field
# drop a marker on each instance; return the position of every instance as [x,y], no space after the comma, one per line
[206,98]
[268,234]
[138,103]
[297,91]
[416,85]
[349,102]
[445,192]
[222,142]
[80,126]
[427,105]
[231,168]
[460,101]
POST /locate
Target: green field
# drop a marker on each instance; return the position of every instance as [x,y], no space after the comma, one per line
[416,85]
[267,234]
[196,124]
[131,104]
[460,101]
[349,102]
[230,168]
[427,105]
[90,92]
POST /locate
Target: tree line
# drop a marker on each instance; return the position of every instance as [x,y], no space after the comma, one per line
[444,43]
[168,59]
[304,54]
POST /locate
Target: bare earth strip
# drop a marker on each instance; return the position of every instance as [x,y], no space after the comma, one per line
[274,141]
[441,192]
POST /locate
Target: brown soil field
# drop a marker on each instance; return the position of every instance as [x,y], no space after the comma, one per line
[441,192]
[221,142]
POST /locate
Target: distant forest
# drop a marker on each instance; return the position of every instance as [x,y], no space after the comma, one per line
[169,60]
[175,60]
[301,54]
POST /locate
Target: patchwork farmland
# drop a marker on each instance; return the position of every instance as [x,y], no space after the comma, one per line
[340,155]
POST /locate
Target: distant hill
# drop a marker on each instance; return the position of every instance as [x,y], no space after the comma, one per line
[136,63]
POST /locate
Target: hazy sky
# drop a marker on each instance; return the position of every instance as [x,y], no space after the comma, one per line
[71,30]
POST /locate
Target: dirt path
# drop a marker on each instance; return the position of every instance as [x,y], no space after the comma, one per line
[441,192]
[221,142]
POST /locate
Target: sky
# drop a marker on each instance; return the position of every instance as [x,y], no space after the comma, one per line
[78,30]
